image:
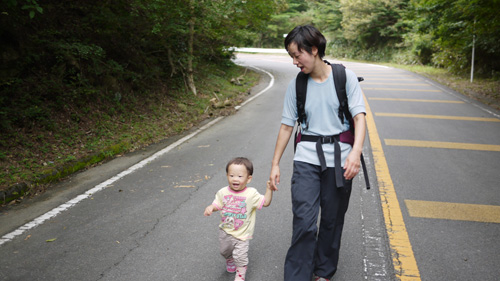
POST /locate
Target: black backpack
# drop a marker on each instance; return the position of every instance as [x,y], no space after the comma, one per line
[339,78]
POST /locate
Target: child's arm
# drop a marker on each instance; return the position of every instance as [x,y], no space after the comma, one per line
[209,210]
[269,195]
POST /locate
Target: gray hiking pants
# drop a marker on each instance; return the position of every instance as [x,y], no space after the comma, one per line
[314,251]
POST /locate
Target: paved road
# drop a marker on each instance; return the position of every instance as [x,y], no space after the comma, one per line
[438,219]
[442,155]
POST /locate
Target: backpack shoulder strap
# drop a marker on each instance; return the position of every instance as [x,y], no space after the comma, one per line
[301,93]
[339,78]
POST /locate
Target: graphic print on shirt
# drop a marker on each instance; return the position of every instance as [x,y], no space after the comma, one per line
[234,211]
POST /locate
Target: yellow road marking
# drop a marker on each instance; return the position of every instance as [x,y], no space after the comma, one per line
[417,100]
[395,84]
[403,258]
[410,90]
[380,72]
[453,211]
[368,78]
[443,144]
[462,118]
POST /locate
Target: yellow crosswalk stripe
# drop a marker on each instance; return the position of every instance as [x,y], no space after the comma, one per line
[404,90]
[416,100]
[386,74]
[439,144]
[453,211]
[394,84]
[462,118]
[367,79]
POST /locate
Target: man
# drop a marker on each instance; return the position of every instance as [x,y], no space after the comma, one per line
[315,183]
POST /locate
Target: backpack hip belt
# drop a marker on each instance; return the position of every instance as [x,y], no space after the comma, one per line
[319,140]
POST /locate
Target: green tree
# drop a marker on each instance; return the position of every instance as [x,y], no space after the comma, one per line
[291,13]
[194,31]
[438,32]
[326,16]
[374,24]
[31,6]
[451,26]
[87,51]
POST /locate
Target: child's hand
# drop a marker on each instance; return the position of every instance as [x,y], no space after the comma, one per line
[269,186]
[269,194]
[209,210]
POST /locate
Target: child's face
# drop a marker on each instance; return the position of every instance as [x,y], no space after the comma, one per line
[238,177]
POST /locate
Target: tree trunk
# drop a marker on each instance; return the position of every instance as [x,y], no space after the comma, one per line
[171,62]
[190,73]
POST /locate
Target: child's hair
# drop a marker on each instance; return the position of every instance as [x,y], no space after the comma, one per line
[241,161]
[306,36]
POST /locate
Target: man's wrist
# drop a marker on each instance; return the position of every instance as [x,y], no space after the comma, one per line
[357,150]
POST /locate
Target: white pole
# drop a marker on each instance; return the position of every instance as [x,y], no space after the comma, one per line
[473,51]
[472,65]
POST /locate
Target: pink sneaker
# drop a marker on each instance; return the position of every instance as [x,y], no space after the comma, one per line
[240,273]
[230,266]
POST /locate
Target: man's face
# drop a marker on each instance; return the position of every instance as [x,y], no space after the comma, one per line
[302,59]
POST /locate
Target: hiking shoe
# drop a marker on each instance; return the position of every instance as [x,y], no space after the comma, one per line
[230,266]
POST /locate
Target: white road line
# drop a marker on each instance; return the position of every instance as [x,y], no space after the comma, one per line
[461,97]
[63,207]
[261,92]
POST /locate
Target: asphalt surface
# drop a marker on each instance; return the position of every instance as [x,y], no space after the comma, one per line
[442,151]
[148,224]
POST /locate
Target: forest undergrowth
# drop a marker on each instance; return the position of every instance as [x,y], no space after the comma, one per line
[80,137]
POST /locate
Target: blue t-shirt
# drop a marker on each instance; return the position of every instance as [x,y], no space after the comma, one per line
[322,106]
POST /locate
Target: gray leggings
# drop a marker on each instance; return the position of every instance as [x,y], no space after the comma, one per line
[231,247]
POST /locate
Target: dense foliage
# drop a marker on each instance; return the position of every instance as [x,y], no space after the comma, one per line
[84,80]
[59,54]
[451,27]
[77,76]
[430,32]
[63,56]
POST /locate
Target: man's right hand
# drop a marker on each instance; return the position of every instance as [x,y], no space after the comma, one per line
[274,178]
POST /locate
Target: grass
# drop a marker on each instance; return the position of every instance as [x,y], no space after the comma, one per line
[32,159]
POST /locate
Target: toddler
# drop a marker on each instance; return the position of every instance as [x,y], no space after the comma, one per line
[238,204]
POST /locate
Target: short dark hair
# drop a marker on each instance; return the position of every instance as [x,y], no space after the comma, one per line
[306,37]
[241,161]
